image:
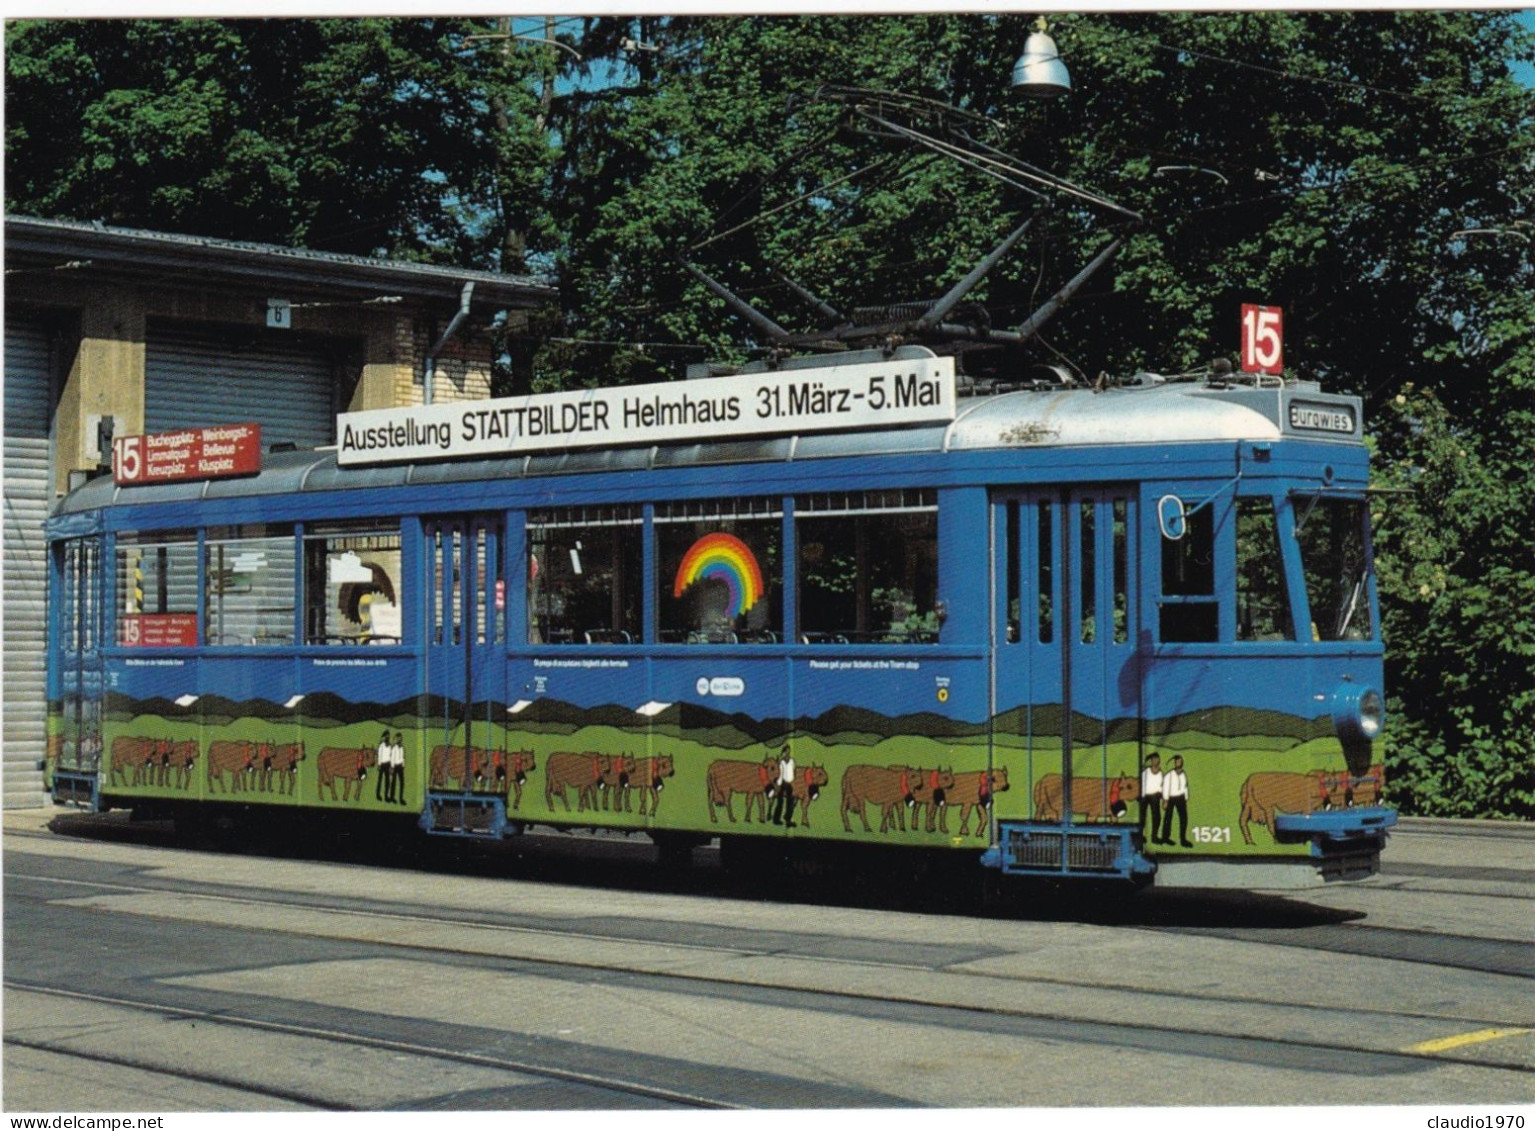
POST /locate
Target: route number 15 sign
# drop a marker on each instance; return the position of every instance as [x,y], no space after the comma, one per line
[1262,339]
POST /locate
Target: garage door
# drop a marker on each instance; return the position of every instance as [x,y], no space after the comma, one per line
[29,394]
[203,376]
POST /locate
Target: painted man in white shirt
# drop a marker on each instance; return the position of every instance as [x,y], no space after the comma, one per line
[1175,790]
[397,768]
[1151,797]
[783,789]
[383,783]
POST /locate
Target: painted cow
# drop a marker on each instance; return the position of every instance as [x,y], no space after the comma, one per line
[235,757]
[1092,799]
[130,753]
[929,794]
[649,779]
[281,764]
[511,770]
[972,791]
[726,778]
[617,777]
[894,789]
[178,757]
[585,773]
[1273,791]
[447,767]
[808,781]
[348,765]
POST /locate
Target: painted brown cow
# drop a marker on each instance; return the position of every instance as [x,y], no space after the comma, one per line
[1092,799]
[726,778]
[130,753]
[513,768]
[178,757]
[808,781]
[157,769]
[584,773]
[281,763]
[617,777]
[447,767]
[348,765]
[1273,791]
[894,789]
[235,757]
[649,779]
[972,791]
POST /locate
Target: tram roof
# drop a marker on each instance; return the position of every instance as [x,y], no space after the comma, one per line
[1145,415]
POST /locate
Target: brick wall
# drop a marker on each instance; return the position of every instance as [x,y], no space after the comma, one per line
[463,367]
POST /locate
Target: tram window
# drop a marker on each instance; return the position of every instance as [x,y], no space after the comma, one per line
[1012,559]
[352,590]
[250,586]
[1332,544]
[868,567]
[719,572]
[1263,604]
[1045,563]
[1121,549]
[1192,616]
[1188,565]
[156,590]
[584,575]
[82,580]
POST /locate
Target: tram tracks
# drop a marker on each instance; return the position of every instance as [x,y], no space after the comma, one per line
[227,1019]
[954,995]
[1446,950]
[524,992]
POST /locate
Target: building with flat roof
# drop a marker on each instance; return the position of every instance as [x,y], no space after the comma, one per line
[116,331]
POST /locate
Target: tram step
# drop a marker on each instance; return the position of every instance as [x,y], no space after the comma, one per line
[1068,850]
[78,790]
[467,815]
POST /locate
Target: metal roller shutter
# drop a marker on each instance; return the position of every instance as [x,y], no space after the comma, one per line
[195,377]
[29,388]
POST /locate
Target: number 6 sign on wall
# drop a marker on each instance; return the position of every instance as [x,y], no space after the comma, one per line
[1262,339]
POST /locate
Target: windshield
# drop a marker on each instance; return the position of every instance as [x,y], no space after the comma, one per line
[1333,546]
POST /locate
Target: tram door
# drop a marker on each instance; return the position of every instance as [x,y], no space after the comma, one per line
[466,646]
[1066,676]
[74,746]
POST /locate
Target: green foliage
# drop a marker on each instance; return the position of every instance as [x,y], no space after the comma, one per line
[1457,580]
[369,136]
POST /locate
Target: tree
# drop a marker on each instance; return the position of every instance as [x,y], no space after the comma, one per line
[1328,187]
[367,136]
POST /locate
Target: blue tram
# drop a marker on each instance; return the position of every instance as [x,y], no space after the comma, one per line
[1126,632]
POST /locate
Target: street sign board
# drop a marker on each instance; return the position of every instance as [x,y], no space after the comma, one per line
[191,453]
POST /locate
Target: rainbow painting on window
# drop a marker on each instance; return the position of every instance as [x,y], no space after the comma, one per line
[723,558]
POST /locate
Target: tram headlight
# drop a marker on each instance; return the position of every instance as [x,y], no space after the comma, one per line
[1358,713]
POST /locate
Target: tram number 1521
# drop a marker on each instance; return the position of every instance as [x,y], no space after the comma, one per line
[1210,834]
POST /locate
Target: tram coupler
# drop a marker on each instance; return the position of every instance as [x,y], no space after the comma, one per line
[475,815]
[1084,851]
